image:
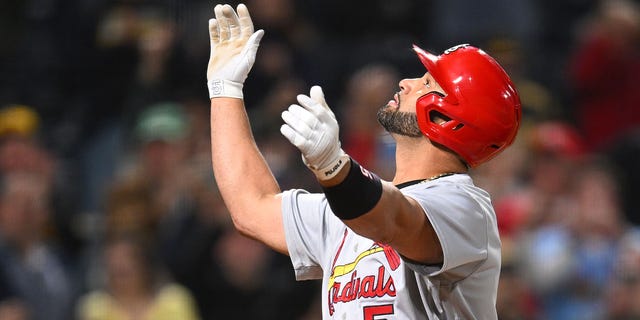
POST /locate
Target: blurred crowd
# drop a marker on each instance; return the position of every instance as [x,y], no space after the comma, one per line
[108,206]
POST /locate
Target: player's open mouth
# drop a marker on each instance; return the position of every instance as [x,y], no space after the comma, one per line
[395,102]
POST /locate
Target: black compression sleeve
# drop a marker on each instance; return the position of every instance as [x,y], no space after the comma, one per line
[356,195]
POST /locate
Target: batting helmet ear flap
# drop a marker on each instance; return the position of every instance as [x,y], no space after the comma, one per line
[427,109]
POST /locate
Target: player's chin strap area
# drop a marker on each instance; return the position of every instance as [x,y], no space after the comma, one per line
[356,195]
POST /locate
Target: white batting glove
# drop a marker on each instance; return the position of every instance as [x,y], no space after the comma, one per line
[233,50]
[312,127]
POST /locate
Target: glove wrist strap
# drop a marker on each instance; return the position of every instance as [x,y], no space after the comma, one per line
[332,169]
[224,88]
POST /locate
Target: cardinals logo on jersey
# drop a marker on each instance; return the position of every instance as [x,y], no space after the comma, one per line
[379,284]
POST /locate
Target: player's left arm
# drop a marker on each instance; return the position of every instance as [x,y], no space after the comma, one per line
[247,185]
[371,207]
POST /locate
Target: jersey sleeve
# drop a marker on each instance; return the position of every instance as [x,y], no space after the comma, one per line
[461,218]
[309,227]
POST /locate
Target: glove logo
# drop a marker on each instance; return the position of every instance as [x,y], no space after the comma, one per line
[217,87]
[332,170]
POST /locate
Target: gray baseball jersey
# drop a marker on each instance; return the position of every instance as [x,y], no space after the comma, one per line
[363,279]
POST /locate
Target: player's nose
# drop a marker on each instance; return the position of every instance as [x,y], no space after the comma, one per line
[406,85]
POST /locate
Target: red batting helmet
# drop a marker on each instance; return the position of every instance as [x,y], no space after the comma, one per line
[481,105]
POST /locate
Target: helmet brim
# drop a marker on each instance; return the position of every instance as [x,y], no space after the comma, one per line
[430,62]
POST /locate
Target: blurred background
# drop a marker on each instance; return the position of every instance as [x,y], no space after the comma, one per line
[108,205]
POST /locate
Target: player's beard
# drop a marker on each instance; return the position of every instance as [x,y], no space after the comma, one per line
[399,122]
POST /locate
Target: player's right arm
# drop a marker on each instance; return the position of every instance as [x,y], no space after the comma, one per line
[246,183]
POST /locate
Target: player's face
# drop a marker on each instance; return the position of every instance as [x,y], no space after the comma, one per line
[399,115]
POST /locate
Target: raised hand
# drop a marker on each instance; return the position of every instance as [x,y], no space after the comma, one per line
[312,127]
[233,50]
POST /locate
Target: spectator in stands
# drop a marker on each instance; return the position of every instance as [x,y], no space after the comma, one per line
[33,268]
[603,73]
[135,288]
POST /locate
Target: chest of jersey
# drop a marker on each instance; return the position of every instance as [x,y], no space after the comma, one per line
[363,275]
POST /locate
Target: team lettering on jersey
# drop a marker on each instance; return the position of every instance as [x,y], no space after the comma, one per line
[375,285]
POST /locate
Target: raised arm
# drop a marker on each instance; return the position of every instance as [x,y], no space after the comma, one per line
[372,208]
[246,183]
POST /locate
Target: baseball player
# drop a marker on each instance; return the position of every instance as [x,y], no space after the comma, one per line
[423,246]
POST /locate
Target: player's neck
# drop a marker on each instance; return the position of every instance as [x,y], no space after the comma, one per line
[422,161]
